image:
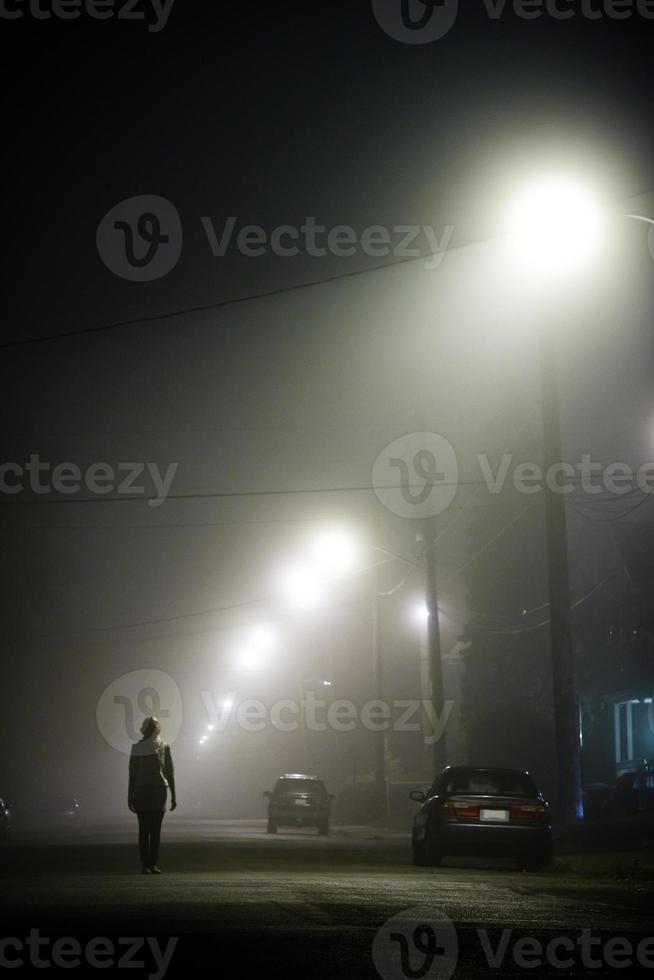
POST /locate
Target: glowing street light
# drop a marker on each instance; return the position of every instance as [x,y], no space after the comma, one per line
[421,613]
[335,551]
[555,224]
[264,639]
[249,660]
[303,589]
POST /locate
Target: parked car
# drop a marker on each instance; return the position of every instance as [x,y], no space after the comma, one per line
[299,801]
[633,792]
[480,812]
[64,807]
[5,821]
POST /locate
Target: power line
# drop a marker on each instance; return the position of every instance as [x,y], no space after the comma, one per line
[203,612]
[264,294]
[220,305]
[517,630]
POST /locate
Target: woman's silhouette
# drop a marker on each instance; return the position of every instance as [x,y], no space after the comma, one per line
[151,775]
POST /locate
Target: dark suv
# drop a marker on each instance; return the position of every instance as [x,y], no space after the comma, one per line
[298,801]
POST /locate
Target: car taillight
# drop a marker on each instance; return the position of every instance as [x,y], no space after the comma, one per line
[460,810]
[528,812]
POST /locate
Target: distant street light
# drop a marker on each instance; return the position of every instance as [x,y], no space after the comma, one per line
[421,613]
[303,590]
[249,660]
[335,551]
[265,639]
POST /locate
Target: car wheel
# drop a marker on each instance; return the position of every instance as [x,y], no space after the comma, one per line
[419,855]
[433,851]
[272,827]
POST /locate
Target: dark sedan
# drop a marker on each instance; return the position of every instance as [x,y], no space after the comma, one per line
[477,812]
[299,800]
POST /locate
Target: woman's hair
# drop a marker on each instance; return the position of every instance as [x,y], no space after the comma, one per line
[150,727]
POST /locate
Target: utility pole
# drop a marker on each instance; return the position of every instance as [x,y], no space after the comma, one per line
[566,716]
[379,738]
[436,693]
[379,745]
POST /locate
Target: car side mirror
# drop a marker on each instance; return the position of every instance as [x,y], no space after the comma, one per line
[267,794]
[417,796]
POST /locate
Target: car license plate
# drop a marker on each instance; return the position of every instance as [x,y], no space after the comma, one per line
[494,816]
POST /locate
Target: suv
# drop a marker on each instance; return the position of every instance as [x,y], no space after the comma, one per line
[298,800]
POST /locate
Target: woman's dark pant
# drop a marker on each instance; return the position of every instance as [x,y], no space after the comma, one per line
[149,836]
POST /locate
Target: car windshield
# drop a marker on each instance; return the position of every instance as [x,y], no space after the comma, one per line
[487,782]
[315,786]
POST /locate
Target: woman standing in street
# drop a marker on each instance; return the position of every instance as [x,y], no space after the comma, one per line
[151,775]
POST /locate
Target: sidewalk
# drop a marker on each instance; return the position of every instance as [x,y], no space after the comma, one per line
[621,847]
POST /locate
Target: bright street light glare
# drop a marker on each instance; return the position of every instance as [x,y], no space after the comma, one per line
[335,551]
[555,224]
[303,590]
[421,613]
[211,728]
[249,660]
[228,703]
[265,639]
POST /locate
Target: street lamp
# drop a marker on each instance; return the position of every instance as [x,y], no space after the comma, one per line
[334,551]
[264,639]
[303,590]
[556,223]
[249,660]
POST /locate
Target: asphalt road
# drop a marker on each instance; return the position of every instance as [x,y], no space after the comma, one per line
[244,904]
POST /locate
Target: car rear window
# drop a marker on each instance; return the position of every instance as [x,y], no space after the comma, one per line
[469,782]
[315,786]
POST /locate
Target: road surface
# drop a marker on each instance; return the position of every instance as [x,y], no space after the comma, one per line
[245,904]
